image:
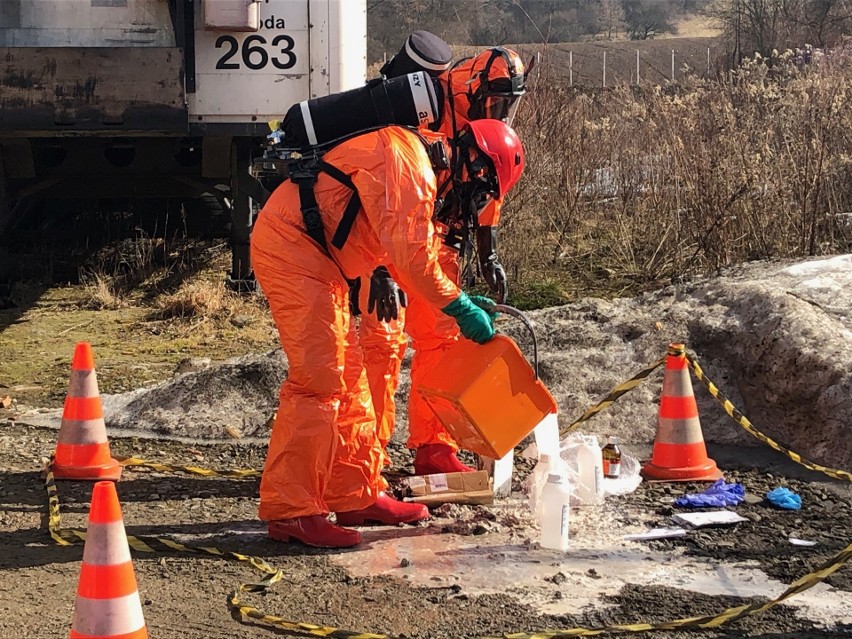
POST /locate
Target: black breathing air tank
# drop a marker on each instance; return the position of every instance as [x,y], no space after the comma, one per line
[407,100]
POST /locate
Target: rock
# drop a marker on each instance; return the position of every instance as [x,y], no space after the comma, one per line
[200,404]
[404,563]
[751,498]
[241,321]
[189,364]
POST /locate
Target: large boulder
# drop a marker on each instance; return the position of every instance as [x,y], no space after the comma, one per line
[775,338]
[232,399]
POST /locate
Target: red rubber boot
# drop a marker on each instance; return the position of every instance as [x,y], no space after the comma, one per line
[386,510]
[313,530]
[438,458]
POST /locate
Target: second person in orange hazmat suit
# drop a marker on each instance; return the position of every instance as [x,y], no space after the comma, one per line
[488,85]
[324,454]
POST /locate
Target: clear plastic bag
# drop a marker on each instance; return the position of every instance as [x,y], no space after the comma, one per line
[628,480]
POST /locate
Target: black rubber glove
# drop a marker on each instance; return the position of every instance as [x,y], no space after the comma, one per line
[386,297]
[492,271]
[354,294]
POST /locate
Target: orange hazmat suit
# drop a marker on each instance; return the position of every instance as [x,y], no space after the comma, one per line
[431,332]
[324,453]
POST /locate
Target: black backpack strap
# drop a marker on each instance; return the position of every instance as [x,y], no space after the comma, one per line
[304,175]
[303,172]
[347,220]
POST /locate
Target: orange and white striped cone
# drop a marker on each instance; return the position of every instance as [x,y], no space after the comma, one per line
[107,605]
[679,450]
[82,449]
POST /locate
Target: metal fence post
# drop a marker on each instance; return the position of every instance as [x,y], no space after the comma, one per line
[570,68]
[604,69]
[637,66]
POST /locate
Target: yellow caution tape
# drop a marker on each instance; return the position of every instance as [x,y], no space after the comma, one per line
[133,462]
[68,536]
[615,394]
[241,611]
[233,473]
[709,621]
[741,419]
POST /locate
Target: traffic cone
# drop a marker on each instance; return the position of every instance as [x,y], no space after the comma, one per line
[108,603]
[679,451]
[82,450]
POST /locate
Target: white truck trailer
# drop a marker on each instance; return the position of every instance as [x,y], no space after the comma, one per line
[160,98]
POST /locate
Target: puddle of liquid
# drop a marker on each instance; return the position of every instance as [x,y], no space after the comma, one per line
[598,563]
[497,563]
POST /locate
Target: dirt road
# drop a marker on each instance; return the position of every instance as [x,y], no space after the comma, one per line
[185,597]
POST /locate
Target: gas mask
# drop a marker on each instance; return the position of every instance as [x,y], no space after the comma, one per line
[497,98]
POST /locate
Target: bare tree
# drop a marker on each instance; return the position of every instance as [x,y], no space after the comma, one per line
[765,25]
[820,22]
[611,17]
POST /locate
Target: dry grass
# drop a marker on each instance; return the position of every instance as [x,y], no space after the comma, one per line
[694,26]
[102,294]
[202,298]
[627,189]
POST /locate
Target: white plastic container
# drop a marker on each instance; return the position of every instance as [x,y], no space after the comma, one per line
[555,510]
[590,480]
[547,436]
[538,479]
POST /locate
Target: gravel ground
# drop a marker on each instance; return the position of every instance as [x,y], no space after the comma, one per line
[185,597]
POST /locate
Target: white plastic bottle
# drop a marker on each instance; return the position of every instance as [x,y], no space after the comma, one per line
[590,486]
[555,500]
[537,481]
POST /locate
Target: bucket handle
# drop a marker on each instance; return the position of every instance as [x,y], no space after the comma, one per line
[514,312]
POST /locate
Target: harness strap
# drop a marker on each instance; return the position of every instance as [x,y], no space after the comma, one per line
[347,220]
[306,180]
[305,175]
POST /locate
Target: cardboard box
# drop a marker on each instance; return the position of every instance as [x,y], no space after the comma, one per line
[449,488]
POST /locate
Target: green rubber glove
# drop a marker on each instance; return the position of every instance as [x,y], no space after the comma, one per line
[486,304]
[474,323]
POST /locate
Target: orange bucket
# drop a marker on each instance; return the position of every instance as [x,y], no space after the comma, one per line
[486,395]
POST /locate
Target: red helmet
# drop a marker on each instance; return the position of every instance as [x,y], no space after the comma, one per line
[500,143]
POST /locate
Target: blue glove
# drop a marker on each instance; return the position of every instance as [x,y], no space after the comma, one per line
[718,495]
[474,323]
[784,498]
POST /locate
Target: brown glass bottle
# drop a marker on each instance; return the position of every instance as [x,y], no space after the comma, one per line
[611,458]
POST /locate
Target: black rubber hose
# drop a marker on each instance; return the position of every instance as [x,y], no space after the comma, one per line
[511,310]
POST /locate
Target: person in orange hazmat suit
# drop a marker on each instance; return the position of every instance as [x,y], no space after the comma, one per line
[324,454]
[488,85]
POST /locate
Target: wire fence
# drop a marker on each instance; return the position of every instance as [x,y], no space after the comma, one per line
[609,66]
